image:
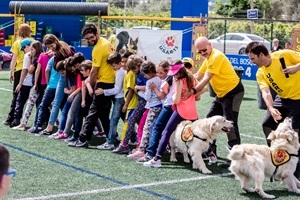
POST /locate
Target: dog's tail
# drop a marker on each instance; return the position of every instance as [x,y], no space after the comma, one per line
[236,153]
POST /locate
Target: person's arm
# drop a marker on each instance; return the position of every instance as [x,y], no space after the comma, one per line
[291,69]
[23,75]
[13,63]
[74,93]
[178,88]
[129,96]
[164,90]
[93,76]
[204,81]
[36,76]
[83,94]
[267,96]
[118,87]
[90,89]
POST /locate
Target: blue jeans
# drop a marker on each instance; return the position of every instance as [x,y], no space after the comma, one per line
[115,117]
[59,96]
[157,129]
[64,115]
[43,108]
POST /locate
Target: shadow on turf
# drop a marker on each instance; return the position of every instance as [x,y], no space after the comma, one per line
[277,193]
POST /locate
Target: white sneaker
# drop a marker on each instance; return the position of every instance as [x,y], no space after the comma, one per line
[106,146]
[212,158]
[136,155]
[153,163]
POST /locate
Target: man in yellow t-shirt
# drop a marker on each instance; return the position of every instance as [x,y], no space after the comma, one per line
[102,76]
[283,80]
[218,71]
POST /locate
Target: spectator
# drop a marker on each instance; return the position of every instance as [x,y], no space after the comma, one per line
[6,173]
[288,45]
[275,45]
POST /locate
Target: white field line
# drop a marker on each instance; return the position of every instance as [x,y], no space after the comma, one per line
[126,187]
[4,89]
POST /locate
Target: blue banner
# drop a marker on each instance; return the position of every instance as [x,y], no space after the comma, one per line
[242,62]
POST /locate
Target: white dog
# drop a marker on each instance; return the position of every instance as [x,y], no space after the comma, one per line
[194,138]
[252,161]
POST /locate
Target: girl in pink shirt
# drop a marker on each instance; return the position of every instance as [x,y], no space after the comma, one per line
[184,109]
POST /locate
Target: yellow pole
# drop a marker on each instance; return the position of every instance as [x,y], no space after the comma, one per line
[186,19]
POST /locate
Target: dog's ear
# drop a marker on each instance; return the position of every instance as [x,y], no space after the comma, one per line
[271,136]
[131,40]
[213,124]
[137,40]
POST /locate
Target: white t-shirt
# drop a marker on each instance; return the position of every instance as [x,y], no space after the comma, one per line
[26,64]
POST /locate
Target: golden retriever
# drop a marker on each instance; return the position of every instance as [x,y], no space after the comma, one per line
[202,132]
[252,161]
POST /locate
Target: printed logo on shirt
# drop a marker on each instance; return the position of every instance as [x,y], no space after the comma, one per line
[273,84]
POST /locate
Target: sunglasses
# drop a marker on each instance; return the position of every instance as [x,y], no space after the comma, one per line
[11,172]
[202,51]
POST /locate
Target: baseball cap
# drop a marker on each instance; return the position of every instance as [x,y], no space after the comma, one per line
[188,62]
[24,43]
[174,69]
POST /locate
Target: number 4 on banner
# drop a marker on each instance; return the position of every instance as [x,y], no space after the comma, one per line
[248,72]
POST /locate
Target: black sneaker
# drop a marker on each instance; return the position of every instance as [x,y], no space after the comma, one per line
[121,149]
[6,123]
[226,164]
[16,122]
[44,132]
[78,143]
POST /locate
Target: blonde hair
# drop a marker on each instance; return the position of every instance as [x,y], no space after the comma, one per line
[24,31]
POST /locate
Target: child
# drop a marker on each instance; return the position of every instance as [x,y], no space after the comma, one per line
[115,61]
[32,52]
[155,105]
[165,94]
[134,106]
[184,109]
[37,91]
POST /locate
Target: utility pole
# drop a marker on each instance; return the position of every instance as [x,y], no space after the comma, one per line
[252,23]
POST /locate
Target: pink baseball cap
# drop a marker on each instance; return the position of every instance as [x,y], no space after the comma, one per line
[174,69]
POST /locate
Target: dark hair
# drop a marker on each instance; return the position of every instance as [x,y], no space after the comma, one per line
[165,65]
[4,160]
[87,64]
[256,48]
[126,54]
[134,61]
[78,58]
[183,73]
[114,58]
[60,65]
[148,68]
[37,45]
[177,62]
[89,28]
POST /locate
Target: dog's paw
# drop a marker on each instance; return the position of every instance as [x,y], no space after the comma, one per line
[187,160]
[170,41]
[249,190]
[206,171]
[173,160]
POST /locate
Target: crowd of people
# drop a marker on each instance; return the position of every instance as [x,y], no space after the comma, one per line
[156,98]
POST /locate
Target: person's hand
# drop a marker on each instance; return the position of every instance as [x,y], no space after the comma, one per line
[70,98]
[34,87]
[83,104]
[99,91]
[152,86]
[275,114]
[18,88]
[124,109]
[290,69]
[11,77]
[185,95]
[66,91]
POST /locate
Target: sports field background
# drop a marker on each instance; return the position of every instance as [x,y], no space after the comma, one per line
[49,169]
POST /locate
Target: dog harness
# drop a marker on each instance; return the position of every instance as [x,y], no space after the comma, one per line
[187,133]
[279,157]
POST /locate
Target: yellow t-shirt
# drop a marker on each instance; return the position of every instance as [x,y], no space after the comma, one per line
[100,54]
[129,82]
[273,77]
[112,40]
[15,49]
[225,78]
